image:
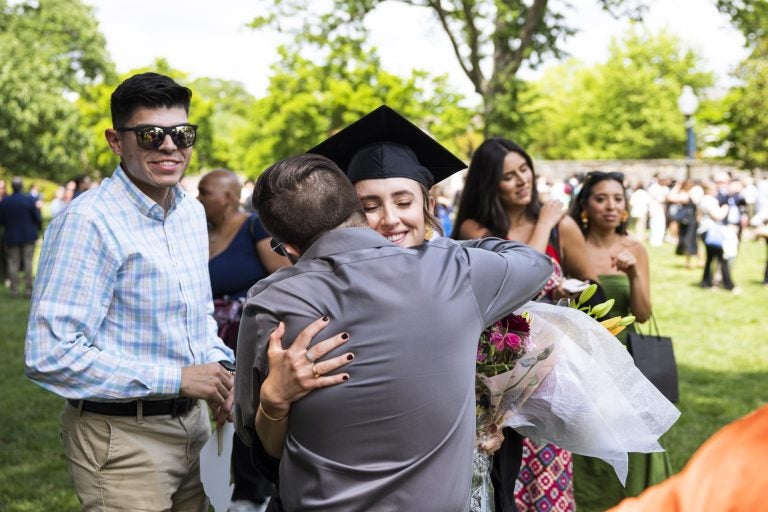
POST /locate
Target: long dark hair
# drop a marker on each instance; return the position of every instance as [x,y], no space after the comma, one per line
[580,204]
[480,198]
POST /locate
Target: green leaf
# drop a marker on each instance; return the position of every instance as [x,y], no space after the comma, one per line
[587,294]
[602,309]
[627,320]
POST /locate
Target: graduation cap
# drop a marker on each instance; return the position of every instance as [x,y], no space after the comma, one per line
[384,144]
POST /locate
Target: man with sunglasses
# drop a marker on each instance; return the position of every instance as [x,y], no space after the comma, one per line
[121,323]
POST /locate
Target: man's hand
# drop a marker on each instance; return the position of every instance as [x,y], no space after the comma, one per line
[211,382]
[223,413]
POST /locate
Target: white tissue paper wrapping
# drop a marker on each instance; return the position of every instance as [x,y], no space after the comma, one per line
[593,401]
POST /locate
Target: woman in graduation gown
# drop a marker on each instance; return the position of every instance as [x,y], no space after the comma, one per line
[392,164]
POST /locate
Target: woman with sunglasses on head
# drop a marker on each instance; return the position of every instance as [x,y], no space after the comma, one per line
[500,198]
[621,263]
[239,255]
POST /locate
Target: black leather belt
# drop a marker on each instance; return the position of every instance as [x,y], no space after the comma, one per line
[172,407]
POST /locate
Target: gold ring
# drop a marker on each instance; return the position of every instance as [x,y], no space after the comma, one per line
[309,356]
[314,370]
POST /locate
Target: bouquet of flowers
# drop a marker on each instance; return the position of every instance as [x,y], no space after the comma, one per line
[556,375]
[509,366]
[594,401]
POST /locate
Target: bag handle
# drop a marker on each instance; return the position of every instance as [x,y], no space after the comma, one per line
[653,326]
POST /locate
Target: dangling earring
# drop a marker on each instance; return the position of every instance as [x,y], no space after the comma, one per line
[428,232]
[584,219]
[624,216]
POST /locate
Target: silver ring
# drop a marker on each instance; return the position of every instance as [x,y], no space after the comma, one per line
[309,356]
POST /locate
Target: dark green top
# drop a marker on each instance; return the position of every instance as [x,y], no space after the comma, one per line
[616,287]
[595,484]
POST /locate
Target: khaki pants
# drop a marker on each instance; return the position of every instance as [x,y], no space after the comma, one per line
[18,257]
[128,463]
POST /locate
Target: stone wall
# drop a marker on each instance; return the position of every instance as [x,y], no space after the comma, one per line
[634,170]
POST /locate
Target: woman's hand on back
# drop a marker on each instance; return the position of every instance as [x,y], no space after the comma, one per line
[296,371]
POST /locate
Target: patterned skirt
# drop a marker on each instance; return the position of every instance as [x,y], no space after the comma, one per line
[545,482]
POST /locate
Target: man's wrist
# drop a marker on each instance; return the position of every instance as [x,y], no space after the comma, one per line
[230,367]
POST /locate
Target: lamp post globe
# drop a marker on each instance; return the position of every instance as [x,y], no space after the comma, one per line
[688,103]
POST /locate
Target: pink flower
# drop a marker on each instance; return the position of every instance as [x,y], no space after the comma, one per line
[512,341]
[497,340]
[480,356]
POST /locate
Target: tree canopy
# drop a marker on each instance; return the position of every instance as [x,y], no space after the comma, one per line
[307,101]
[491,40]
[746,107]
[50,52]
[623,108]
[750,16]
[56,79]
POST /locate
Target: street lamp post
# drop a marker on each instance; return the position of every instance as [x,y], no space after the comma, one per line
[688,103]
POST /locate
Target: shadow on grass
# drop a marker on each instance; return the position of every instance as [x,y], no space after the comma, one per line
[709,400]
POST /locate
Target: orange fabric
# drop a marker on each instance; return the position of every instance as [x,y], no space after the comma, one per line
[725,474]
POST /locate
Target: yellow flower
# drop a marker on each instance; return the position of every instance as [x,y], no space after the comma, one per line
[616,330]
[611,323]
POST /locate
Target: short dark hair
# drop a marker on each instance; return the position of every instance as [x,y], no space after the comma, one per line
[301,197]
[480,197]
[148,90]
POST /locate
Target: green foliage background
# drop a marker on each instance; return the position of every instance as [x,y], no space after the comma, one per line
[56,78]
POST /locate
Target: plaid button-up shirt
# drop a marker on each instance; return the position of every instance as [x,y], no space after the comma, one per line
[122,298]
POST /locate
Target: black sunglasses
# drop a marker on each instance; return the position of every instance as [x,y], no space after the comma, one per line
[278,247]
[152,137]
[599,175]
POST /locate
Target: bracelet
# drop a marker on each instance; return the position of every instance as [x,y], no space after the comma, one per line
[270,418]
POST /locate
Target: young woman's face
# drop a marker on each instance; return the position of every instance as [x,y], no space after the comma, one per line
[606,204]
[395,208]
[516,181]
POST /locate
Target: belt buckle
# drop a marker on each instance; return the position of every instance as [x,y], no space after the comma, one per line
[180,406]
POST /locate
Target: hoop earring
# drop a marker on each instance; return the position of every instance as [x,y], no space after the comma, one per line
[584,219]
[624,216]
[428,232]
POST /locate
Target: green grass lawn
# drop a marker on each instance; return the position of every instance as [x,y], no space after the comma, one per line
[721,343]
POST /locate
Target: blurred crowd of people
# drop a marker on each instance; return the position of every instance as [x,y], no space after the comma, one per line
[21,222]
[705,219]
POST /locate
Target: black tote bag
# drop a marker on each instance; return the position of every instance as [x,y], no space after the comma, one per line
[655,358]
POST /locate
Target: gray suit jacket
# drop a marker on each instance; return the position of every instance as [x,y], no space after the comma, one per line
[399,434]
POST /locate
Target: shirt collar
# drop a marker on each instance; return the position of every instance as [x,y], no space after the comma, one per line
[344,240]
[146,205]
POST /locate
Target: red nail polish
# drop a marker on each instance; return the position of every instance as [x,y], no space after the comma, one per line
[326,319]
[346,377]
[344,336]
[350,357]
